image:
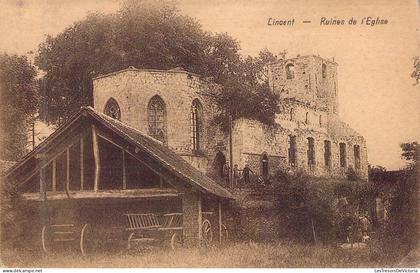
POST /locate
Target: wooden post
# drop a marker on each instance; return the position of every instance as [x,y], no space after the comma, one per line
[200,220]
[43,186]
[33,133]
[54,175]
[43,193]
[313,232]
[41,183]
[82,169]
[230,152]
[124,171]
[96,158]
[220,222]
[67,171]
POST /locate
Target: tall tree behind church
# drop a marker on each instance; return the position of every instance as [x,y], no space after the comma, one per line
[143,34]
[18,104]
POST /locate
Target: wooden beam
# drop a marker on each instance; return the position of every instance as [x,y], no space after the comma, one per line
[200,219]
[54,175]
[124,178]
[109,194]
[43,163]
[68,171]
[42,147]
[41,183]
[136,156]
[220,222]
[43,186]
[96,158]
[82,167]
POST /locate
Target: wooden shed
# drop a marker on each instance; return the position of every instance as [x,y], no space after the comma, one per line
[95,177]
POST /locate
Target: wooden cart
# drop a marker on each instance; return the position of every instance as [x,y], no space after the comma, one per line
[140,225]
[141,228]
[65,234]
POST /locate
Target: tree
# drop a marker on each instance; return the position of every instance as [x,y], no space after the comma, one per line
[416,72]
[19,101]
[246,93]
[410,151]
[314,209]
[144,34]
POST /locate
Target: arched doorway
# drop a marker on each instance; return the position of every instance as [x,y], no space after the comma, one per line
[219,162]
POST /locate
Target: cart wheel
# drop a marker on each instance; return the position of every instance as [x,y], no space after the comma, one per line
[176,241]
[44,239]
[84,238]
[225,234]
[207,233]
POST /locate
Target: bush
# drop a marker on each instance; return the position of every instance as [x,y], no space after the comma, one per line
[403,222]
[316,209]
[10,207]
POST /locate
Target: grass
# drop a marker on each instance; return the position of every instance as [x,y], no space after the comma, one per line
[235,255]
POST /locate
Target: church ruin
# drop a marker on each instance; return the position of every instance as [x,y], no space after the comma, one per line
[309,137]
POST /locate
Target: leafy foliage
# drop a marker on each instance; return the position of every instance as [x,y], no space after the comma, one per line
[246,94]
[399,192]
[410,151]
[416,69]
[404,206]
[143,34]
[403,222]
[9,201]
[314,207]
[19,101]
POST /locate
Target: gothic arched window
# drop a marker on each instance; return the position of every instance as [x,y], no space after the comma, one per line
[356,150]
[112,109]
[343,155]
[196,117]
[292,114]
[156,116]
[290,71]
[292,150]
[324,70]
[311,151]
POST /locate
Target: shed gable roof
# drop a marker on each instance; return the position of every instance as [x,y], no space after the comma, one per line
[165,156]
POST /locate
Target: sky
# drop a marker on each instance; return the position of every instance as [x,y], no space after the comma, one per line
[377,97]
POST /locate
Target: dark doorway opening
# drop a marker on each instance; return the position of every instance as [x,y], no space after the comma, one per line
[219,162]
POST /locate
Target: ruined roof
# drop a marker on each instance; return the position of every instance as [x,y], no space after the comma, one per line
[165,156]
[339,128]
[132,68]
[305,57]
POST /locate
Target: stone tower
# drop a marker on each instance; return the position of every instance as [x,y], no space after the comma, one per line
[311,80]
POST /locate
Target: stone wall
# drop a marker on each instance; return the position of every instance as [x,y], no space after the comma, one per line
[312,97]
[309,84]
[252,140]
[133,88]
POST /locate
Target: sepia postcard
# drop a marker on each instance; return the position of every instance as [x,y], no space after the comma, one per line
[209,134]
